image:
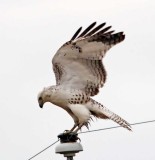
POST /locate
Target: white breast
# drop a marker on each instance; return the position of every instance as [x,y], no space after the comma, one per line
[81,112]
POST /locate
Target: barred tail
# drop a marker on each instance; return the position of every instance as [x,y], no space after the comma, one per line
[100,111]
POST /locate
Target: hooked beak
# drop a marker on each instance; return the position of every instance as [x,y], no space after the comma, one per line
[41,104]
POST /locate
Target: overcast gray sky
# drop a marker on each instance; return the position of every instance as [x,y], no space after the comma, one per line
[31,32]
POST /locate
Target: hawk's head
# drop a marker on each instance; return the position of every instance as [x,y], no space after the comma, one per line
[44,96]
[41,99]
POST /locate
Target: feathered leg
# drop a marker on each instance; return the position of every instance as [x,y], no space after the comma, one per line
[72,129]
[76,121]
[83,115]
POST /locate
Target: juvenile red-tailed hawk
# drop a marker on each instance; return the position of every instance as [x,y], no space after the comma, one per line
[80,73]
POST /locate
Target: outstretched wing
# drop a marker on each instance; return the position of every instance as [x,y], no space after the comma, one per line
[78,63]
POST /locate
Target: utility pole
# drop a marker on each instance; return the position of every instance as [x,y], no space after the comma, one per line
[68,145]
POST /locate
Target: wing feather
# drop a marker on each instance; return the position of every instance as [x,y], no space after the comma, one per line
[87,29]
[76,34]
[95,30]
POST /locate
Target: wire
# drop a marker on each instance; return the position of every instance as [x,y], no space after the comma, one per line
[89,132]
[116,127]
[43,150]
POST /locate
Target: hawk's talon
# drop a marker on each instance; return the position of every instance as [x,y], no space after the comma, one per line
[66,131]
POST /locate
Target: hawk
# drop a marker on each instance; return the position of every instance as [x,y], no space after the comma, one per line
[80,73]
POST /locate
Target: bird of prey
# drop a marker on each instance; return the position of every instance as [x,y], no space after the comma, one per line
[80,74]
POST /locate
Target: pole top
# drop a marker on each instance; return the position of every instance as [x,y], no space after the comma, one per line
[68,144]
[68,137]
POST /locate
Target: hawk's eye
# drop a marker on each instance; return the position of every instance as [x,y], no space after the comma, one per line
[40,99]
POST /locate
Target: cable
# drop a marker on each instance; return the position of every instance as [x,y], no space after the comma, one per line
[43,150]
[116,127]
[89,132]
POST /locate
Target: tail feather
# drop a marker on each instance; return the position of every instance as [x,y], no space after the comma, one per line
[100,111]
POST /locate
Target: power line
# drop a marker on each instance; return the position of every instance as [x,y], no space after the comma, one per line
[43,150]
[138,123]
[116,127]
